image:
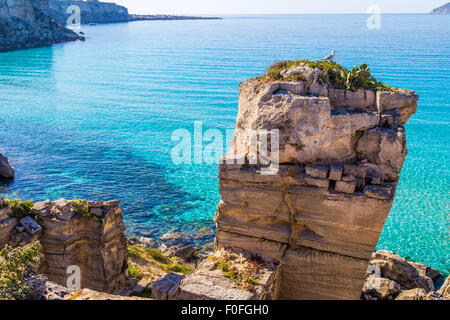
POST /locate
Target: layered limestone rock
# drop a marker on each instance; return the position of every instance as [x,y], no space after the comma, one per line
[25,24]
[6,170]
[7,223]
[321,213]
[73,234]
[88,235]
[228,274]
[91,11]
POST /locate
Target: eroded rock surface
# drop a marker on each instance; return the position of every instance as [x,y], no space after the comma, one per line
[25,24]
[322,212]
[6,170]
[394,267]
[390,276]
[77,233]
[84,234]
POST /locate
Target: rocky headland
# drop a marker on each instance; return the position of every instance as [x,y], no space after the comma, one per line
[105,12]
[305,231]
[445,9]
[91,11]
[26,24]
[35,23]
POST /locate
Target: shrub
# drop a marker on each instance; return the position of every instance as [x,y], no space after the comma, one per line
[222,265]
[81,207]
[333,74]
[13,265]
[20,209]
[177,268]
[135,272]
[157,255]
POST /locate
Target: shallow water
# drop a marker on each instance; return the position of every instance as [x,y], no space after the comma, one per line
[94,119]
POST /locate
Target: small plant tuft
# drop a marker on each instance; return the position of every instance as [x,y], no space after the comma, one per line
[81,207]
[157,255]
[179,268]
[135,272]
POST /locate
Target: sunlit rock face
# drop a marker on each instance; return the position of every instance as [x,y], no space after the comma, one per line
[90,238]
[322,212]
[79,239]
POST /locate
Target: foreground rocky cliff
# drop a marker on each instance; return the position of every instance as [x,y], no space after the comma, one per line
[53,236]
[81,234]
[25,24]
[340,154]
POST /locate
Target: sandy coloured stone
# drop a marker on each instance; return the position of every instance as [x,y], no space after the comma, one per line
[336,173]
[346,187]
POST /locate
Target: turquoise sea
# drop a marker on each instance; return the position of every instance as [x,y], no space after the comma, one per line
[94,119]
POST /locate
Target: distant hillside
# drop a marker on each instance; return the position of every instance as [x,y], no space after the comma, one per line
[91,11]
[445,9]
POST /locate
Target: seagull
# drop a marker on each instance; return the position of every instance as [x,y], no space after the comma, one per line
[330,57]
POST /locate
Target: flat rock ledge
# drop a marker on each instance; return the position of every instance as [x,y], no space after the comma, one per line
[227,274]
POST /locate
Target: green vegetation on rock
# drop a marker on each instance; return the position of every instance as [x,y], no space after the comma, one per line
[332,74]
[177,267]
[156,258]
[81,207]
[13,265]
[241,279]
[145,293]
[20,209]
[134,271]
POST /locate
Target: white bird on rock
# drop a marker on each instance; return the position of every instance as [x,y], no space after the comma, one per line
[330,57]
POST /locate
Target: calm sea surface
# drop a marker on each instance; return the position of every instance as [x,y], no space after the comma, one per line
[94,120]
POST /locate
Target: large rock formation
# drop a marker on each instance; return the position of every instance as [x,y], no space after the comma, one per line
[321,214]
[6,170]
[25,24]
[87,235]
[91,11]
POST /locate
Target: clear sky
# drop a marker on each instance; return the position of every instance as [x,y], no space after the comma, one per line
[275,6]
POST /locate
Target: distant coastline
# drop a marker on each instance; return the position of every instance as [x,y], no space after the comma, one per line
[445,9]
[143,17]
